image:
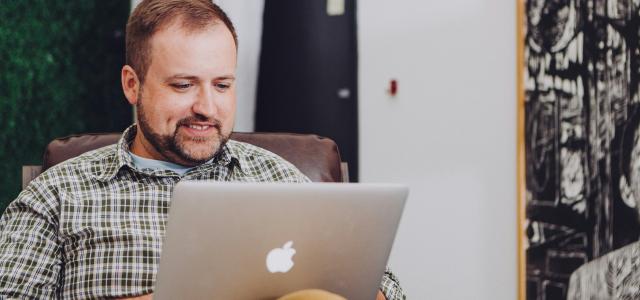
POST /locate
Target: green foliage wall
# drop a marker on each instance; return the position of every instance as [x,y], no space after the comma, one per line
[60,67]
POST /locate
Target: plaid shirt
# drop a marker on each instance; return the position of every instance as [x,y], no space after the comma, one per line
[92,227]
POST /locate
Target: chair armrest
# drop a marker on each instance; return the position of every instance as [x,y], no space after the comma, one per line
[344,169]
[29,173]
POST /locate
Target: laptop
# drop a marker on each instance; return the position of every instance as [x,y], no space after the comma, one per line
[265,240]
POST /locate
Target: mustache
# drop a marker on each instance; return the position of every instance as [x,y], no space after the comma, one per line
[201,119]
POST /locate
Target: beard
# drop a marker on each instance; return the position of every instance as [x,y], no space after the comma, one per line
[175,147]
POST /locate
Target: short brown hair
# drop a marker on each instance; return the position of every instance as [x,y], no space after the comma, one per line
[150,15]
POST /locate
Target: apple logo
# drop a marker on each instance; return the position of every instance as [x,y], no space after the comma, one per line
[279,259]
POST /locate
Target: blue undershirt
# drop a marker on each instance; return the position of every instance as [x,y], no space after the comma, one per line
[146,163]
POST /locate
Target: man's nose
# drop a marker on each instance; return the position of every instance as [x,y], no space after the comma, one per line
[206,102]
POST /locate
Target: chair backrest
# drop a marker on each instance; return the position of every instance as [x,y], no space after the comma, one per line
[315,156]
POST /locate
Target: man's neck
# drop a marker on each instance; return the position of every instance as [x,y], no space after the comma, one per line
[142,148]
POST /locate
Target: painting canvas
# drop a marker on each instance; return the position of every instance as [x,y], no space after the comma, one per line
[579,73]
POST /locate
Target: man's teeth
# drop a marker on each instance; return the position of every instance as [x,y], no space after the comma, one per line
[198,127]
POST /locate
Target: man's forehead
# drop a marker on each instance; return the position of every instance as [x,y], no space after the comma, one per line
[179,50]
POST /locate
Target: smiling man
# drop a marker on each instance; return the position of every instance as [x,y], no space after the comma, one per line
[186,106]
[92,226]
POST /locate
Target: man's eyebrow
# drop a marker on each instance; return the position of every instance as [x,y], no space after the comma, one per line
[226,77]
[181,76]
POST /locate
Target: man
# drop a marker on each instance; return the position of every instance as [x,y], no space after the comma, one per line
[92,227]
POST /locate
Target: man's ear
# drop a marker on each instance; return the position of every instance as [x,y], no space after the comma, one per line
[626,193]
[130,84]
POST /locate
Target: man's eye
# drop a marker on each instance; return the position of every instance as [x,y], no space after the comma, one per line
[181,86]
[222,86]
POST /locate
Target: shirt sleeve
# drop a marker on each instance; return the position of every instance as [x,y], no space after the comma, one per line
[390,286]
[30,258]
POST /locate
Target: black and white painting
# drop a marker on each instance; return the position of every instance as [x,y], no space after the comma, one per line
[582,148]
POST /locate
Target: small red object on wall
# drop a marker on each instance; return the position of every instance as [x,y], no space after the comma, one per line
[393,87]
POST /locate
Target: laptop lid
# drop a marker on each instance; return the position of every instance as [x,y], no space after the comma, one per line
[263,240]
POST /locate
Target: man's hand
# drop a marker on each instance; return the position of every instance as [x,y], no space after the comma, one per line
[146,297]
[319,295]
[311,294]
[380,296]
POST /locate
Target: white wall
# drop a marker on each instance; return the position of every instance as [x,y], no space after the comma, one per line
[450,134]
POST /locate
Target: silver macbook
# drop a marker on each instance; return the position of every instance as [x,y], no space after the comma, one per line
[263,240]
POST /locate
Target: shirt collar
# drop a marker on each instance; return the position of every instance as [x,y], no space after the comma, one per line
[111,164]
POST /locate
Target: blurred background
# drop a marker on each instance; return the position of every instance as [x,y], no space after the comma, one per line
[59,74]
[324,67]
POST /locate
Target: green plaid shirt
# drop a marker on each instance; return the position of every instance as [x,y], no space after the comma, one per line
[92,227]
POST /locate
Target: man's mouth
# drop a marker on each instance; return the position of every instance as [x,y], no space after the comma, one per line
[199,127]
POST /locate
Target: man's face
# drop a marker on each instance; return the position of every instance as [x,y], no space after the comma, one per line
[187,101]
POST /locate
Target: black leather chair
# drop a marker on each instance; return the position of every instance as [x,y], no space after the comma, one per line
[317,157]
